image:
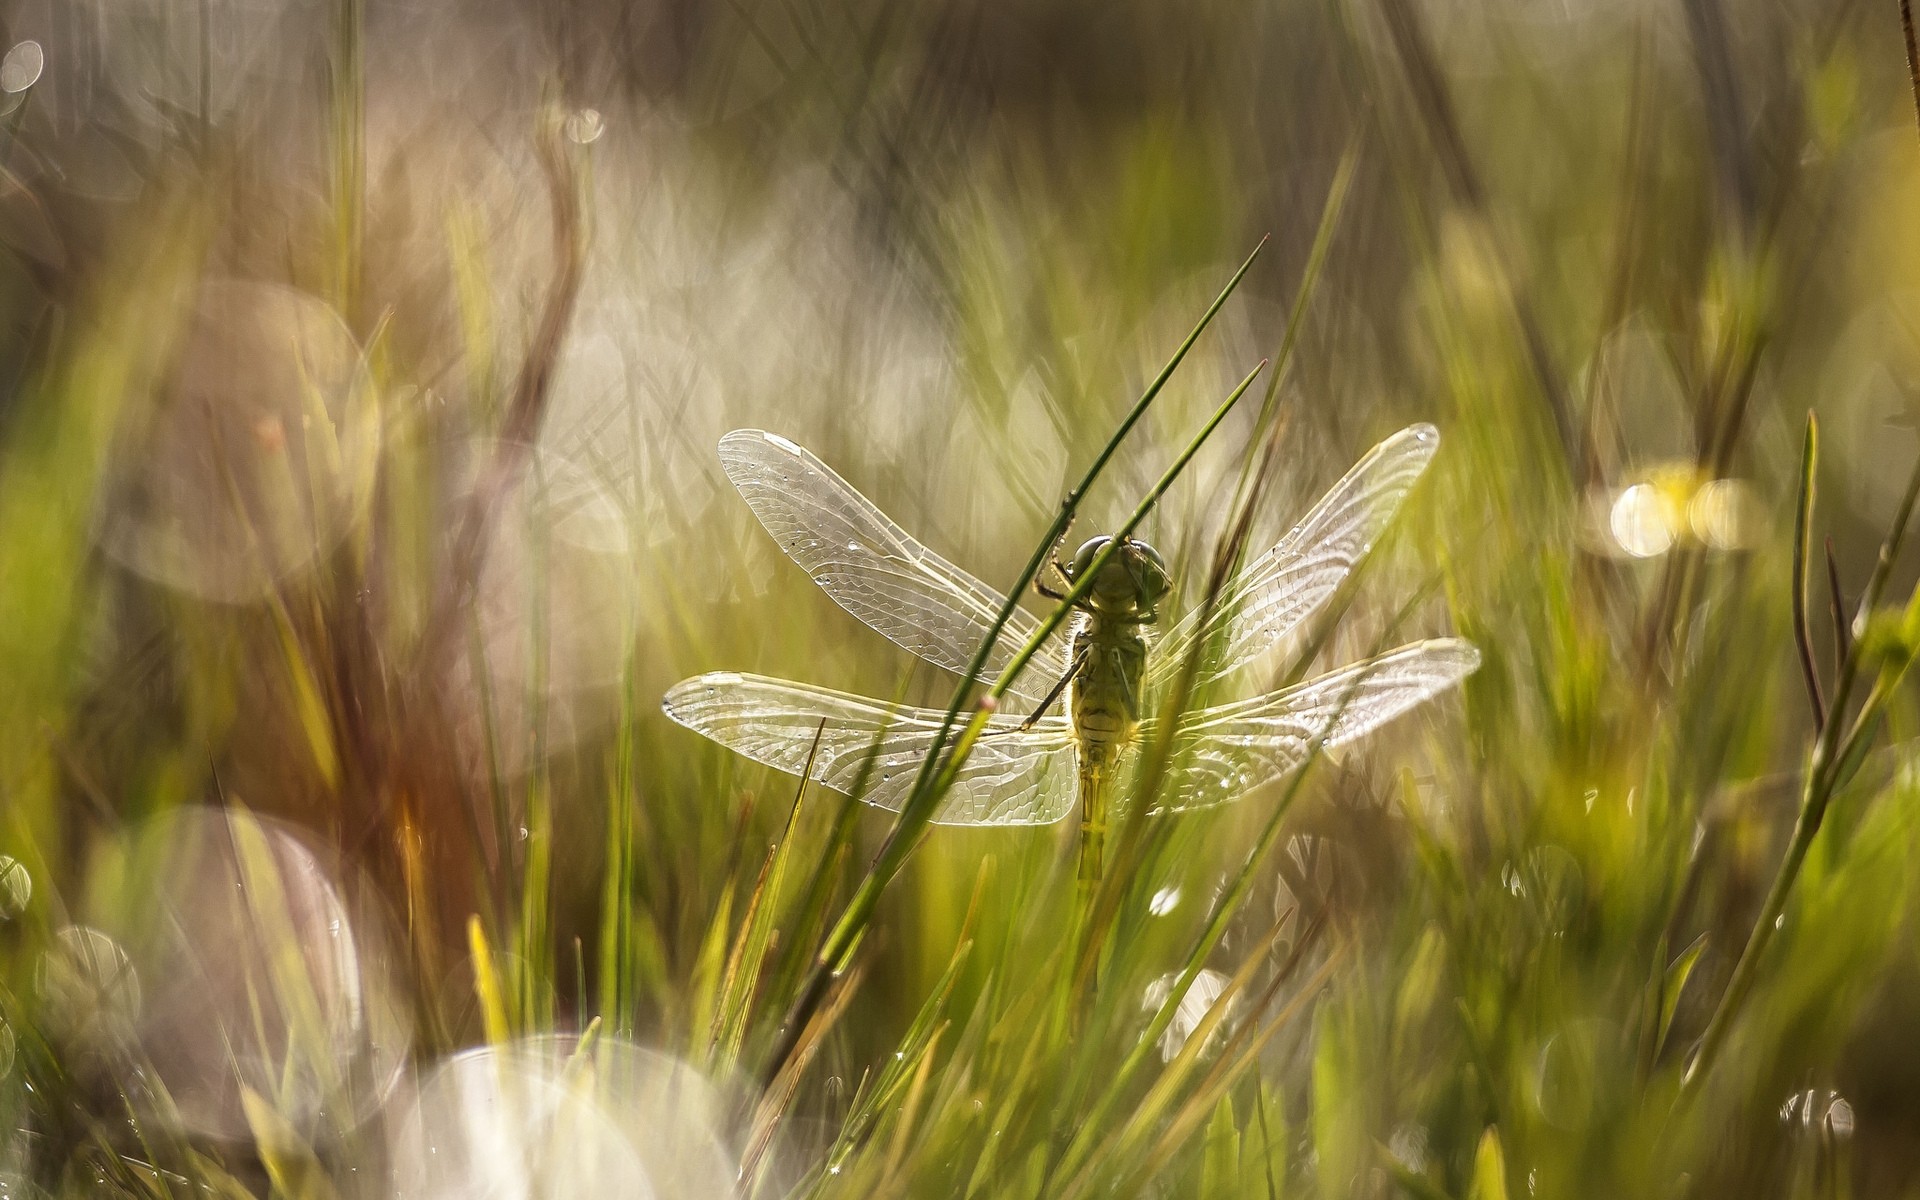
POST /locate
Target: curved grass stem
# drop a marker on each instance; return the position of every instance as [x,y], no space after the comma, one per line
[1802,553]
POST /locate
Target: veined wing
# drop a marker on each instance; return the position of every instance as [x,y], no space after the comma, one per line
[874,569]
[1012,777]
[1287,584]
[1221,753]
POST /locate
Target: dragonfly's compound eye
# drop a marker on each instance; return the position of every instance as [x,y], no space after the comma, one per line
[1084,556]
[1150,575]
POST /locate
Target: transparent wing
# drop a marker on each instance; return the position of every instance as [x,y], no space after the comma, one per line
[1013,776]
[1284,586]
[1222,753]
[873,569]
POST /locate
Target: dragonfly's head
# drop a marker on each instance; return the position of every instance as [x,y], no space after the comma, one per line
[1131,582]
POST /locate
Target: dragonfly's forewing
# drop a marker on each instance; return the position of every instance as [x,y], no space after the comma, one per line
[1013,777]
[1222,753]
[1287,584]
[873,569]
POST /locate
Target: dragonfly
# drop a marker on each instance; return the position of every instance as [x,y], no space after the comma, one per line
[1086,695]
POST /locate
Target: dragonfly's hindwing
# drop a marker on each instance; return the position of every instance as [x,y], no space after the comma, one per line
[1219,754]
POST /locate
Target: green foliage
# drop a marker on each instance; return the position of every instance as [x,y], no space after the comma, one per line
[1630,913]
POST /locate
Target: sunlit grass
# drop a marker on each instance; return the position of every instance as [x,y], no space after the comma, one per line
[349,852]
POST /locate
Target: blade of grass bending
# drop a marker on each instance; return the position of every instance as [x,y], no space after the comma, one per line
[1816,792]
[917,812]
[1802,551]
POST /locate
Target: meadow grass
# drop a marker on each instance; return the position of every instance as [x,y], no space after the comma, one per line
[351,851]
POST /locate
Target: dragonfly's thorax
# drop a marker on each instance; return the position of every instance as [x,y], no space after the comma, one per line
[1121,601]
[1104,697]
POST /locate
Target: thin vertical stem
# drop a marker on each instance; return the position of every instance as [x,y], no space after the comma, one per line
[1802,552]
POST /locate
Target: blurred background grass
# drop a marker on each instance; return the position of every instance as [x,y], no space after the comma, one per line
[364,364]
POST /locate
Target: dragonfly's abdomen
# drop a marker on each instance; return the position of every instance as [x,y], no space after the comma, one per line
[1104,702]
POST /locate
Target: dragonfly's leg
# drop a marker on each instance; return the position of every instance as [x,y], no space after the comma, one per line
[1055,591]
[1044,585]
[1033,718]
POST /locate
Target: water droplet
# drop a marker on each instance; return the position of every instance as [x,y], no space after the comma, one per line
[1164,901]
[21,68]
[585,126]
